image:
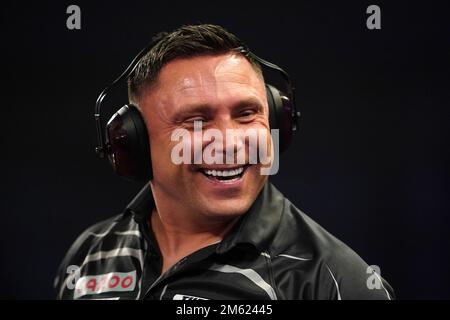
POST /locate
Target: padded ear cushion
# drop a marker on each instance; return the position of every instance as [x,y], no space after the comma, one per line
[128,144]
[280,115]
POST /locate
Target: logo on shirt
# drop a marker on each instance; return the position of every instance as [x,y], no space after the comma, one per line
[110,282]
[185,297]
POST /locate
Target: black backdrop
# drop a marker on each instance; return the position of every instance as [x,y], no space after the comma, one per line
[370,164]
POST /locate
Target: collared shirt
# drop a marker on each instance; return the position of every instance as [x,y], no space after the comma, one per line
[274,251]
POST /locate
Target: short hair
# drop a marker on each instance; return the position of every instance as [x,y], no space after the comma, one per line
[184,42]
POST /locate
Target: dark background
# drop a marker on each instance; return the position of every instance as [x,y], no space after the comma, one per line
[370,163]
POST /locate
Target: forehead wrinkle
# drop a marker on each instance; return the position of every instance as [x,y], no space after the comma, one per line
[238,67]
[212,86]
[223,71]
[201,83]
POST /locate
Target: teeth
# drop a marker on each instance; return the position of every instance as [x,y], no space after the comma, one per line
[224,173]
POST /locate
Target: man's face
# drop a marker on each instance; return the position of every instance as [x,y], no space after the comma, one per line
[223,92]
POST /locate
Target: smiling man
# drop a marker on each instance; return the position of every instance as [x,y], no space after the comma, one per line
[209,230]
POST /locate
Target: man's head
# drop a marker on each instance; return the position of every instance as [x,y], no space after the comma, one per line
[195,74]
[185,42]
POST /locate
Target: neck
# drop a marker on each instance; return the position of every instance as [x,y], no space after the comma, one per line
[180,233]
[174,237]
[176,242]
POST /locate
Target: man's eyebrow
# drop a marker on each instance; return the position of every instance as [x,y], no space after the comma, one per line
[248,102]
[206,109]
[196,107]
[193,108]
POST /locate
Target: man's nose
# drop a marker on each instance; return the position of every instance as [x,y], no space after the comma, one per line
[228,141]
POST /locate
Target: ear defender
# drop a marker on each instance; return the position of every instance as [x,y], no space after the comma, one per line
[128,146]
[281,117]
[127,143]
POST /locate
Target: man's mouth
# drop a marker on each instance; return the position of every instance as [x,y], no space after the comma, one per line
[228,175]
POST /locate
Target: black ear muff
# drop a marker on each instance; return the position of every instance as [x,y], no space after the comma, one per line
[127,144]
[281,115]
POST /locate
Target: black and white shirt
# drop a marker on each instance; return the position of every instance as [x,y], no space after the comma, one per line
[274,251]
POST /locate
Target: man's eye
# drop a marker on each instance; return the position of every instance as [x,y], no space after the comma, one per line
[247,113]
[192,120]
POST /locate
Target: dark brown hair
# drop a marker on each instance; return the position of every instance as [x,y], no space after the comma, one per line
[186,41]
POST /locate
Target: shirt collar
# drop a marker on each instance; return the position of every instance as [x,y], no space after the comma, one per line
[256,227]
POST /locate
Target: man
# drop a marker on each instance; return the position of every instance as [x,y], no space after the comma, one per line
[208,231]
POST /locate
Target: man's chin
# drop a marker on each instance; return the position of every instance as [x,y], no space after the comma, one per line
[227,208]
[227,198]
